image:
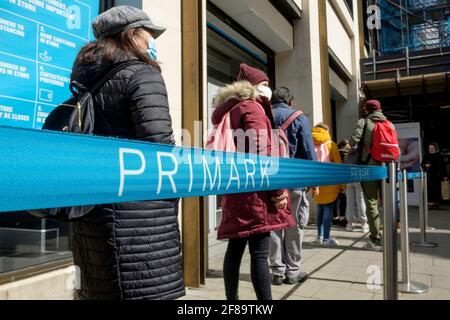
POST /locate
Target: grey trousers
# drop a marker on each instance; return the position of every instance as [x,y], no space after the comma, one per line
[286,245]
[356,205]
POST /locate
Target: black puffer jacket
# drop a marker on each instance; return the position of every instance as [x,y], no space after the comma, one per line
[130,250]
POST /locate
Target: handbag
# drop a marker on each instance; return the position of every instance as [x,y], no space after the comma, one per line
[445,190]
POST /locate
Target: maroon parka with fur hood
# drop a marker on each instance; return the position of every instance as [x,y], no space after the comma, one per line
[247,214]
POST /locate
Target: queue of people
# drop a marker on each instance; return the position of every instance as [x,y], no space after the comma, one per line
[133,250]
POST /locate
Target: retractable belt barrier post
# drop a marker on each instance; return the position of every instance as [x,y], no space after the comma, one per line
[44,169]
[423,214]
[425,195]
[390,270]
[406,286]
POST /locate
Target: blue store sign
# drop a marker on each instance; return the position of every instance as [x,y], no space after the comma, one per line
[39,41]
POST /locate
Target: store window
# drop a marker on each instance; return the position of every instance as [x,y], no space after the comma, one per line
[227,49]
[38,45]
[349,4]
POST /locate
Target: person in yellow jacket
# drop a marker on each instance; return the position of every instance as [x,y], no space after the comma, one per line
[326,151]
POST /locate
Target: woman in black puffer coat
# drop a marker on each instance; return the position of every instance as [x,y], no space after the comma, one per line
[128,250]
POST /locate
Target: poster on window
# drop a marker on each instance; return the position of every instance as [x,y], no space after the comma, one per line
[410,142]
[39,41]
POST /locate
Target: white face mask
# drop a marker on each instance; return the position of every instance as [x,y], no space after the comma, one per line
[265,92]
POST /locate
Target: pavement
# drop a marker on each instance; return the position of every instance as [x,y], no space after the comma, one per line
[343,272]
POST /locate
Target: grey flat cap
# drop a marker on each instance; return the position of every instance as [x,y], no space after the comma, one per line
[121,18]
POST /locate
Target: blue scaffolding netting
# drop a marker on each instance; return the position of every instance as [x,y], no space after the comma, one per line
[413,24]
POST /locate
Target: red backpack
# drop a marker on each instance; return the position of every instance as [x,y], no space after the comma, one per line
[385,146]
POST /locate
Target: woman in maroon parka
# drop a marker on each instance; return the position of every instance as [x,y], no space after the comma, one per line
[250,217]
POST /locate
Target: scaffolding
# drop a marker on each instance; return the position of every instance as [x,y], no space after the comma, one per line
[410,25]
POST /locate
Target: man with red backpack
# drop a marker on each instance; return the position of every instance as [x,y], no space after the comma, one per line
[286,245]
[378,143]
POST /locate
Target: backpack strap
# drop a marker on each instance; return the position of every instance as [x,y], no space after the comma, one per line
[368,148]
[324,144]
[361,142]
[77,87]
[240,104]
[105,77]
[291,119]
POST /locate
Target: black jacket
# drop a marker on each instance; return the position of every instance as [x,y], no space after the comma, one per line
[438,169]
[130,250]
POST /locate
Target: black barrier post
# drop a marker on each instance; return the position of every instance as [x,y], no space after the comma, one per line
[406,285]
[390,275]
[423,214]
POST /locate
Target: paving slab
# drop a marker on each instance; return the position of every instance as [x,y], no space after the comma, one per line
[341,273]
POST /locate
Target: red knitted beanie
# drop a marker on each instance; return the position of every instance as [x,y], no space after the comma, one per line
[252,75]
[373,105]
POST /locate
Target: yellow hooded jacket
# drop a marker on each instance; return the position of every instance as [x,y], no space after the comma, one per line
[327,194]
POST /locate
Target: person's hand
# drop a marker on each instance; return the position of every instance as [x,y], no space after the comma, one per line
[281,202]
[407,165]
[412,152]
[428,165]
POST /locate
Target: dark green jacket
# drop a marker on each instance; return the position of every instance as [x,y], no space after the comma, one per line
[368,136]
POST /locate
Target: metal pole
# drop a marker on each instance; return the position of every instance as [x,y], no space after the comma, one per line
[425,199]
[406,285]
[390,236]
[423,211]
[407,61]
[374,62]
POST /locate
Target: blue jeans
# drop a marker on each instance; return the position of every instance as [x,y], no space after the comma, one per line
[324,218]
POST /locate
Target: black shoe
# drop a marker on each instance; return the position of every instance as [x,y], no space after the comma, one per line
[277,280]
[293,280]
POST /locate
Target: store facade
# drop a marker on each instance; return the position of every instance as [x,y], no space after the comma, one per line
[201,51]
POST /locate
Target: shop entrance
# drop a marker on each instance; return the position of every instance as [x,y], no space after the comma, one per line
[431,110]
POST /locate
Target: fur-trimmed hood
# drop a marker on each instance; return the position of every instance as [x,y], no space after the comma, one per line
[230,95]
[239,90]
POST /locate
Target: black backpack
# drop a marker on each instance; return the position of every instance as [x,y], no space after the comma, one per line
[79,114]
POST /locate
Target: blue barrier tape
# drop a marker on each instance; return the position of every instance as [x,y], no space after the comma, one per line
[414,175]
[410,175]
[43,169]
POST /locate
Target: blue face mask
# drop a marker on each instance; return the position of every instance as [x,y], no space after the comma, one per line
[151,51]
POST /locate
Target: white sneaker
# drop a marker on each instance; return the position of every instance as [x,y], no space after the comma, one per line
[373,247]
[349,227]
[330,242]
[365,227]
[318,241]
